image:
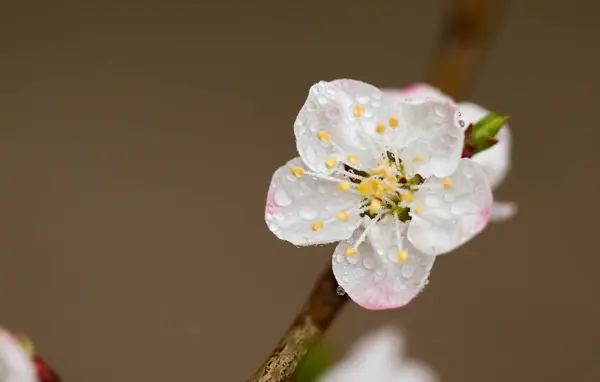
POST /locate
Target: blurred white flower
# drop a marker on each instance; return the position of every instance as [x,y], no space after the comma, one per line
[379,357]
[495,161]
[383,174]
[15,364]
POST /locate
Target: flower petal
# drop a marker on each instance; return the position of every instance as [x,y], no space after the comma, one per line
[430,139]
[295,204]
[495,161]
[453,209]
[15,364]
[375,278]
[418,91]
[335,121]
[502,211]
[375,357]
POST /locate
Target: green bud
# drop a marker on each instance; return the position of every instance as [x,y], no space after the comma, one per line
[482,135]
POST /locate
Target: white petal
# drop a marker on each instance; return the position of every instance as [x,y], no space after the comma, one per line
[294,204]
[15,364]
[374,278]
[502,211]
[451,216]
[418,91]
[379,357]
[495,161]
[430,137]
[330,107]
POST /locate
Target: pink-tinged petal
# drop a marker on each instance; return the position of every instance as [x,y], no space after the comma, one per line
[337,120]
[295,204]
[451,210]
[495,161]
[418,91]
[430,139]
[374,278]
[502,211]
[15,364]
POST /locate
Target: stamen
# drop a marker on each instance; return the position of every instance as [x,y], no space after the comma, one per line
[418,158]
[352,175]
[323,136]
[363,236]
[448,183]
[402,256]
[380,128]
[418,209]
[374,206]
[394,123]
[342,215]
[350,252]
[359,110]
[406,197]
[352,159]
[317,226]
[298,171]
[344,185]
[330,163]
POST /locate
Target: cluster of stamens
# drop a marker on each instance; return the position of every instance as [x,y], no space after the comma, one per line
[386,189]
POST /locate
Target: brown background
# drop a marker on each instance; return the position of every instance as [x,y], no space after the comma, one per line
[136,147]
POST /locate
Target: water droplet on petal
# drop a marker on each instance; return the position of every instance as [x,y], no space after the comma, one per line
[340,291]
[282,198]
[407,271]
[440,111]
[308,213]
[368,263]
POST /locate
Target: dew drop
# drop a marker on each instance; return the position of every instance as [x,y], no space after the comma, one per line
[441,111]
[308,213]
[407,271]
[462,123]
[311,106]
[368,263]
[340,291]
[282,198]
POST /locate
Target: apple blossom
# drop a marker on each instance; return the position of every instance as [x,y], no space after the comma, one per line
[383,174]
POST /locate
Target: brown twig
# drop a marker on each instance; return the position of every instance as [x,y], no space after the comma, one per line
[466,26]
[322,306]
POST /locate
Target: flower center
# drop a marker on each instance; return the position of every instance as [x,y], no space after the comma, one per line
[386,189]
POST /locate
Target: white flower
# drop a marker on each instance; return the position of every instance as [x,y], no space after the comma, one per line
[379,357]
[15,363]
[495,161]
[384,175]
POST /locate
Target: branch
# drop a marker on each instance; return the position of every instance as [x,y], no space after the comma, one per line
[467,25]
[321,308]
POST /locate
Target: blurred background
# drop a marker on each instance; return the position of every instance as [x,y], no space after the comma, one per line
[138,139]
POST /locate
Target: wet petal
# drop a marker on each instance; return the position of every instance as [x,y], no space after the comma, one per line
[502,211]
[15,364]
[495,161]
[418,91]
[337,121]
[296,207]
[430,139]
[452,210]
[375,278]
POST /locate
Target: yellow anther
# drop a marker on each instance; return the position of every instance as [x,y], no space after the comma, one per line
[419,209]
[359,110]
[298,171]
[324,136]
[344,185]
[402,256]
[379,171]
[448,183]
[380,128]
[342,215]
[374,206]
[352,159]
[418,158]
[394,122]
[330,163]
[371,187]
[407,197]
[317,226]
[350,252]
